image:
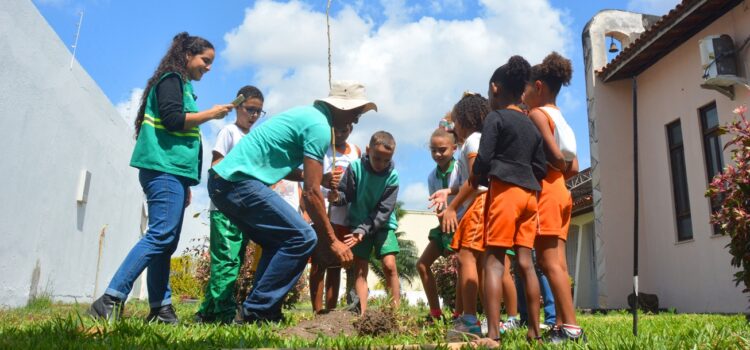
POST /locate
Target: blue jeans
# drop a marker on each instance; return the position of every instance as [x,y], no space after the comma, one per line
[549,300]
[165,194]
[287,240]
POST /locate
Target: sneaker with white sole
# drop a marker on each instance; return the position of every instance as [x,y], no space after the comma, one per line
[464,331]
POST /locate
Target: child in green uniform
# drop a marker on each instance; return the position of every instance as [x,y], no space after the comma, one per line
[227,242]
[370,188]
[444,176]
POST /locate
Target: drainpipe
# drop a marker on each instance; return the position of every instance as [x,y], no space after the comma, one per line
[635,206]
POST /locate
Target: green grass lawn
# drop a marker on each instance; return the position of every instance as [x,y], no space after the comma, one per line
[43,325]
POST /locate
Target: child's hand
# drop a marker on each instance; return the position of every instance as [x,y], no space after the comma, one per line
[338,173]
[353,238]
[439,199]
[333,196]
[450,222]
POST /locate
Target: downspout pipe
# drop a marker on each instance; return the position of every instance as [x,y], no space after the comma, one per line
[635,206]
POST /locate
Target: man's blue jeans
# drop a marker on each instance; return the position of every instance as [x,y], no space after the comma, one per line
[165,194]
[287,240]
[549,300]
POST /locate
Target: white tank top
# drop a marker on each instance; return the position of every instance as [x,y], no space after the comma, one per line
[564,136]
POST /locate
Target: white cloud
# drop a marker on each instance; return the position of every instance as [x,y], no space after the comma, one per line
[128,109]
[414,71]
[652,7]
[415,196]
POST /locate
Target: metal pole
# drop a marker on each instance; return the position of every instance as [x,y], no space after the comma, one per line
[635,206]
[75,44]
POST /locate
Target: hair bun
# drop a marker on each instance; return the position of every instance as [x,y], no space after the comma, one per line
[558,67]
[518,67]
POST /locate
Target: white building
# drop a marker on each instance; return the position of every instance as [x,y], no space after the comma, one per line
[683,260]
[60,125]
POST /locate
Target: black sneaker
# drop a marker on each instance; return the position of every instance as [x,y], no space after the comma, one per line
[163,314]
[107,308]
[251,317]
[201,318]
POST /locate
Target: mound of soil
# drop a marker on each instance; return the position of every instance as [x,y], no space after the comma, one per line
[331,324]
[377,322]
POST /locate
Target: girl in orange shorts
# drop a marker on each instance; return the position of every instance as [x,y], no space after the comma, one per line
[511,161]
[555,203]
[468,115]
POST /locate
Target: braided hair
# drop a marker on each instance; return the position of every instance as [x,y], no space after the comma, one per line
[175,60]
[470,111]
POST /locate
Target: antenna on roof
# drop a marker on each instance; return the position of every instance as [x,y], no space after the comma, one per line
[75,44]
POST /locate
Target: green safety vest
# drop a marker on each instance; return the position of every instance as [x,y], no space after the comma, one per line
[173,152]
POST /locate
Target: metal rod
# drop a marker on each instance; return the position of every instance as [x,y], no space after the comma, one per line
[75,44]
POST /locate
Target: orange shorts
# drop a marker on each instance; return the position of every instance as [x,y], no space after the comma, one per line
[555,206]
[511,216]
[470,231]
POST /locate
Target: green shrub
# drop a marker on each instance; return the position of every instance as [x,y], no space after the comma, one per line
[182,278]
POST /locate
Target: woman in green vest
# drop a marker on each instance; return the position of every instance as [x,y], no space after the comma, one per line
[168,155]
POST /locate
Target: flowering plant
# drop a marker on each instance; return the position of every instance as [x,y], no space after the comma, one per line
[731,189]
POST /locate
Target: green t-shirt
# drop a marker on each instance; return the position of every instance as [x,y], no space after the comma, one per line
[278,146]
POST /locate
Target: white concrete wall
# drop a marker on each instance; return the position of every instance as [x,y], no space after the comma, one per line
[58,122]
[693,276]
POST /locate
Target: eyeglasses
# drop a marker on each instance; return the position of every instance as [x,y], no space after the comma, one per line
[255,111]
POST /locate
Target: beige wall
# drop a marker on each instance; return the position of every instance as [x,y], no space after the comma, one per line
[693,276]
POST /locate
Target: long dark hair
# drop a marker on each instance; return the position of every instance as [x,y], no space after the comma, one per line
[175,60]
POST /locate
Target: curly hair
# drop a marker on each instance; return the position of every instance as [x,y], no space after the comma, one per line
[555,71]
[470,111]
[512,77]
[175,60]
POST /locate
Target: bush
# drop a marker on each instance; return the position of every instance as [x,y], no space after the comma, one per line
[731,189]
[182,278]
[202,273]
[446,276]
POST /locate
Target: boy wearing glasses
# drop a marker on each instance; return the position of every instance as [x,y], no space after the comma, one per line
[227,245]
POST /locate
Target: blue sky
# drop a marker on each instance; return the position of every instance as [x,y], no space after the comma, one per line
[416,57]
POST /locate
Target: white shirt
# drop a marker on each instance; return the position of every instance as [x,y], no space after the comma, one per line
[339,215]
[290,192]
[227,138]
[469,150]
[564,136]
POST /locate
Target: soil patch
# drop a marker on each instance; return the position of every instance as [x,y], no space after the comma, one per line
[377,322]
[331,324]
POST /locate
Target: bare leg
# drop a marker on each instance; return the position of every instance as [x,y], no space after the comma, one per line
[493,285]
[430,254]
[549,259]
[316,287]
[469,282]
[360,285]
[391,279]
[509,290]
[531,286]
[333,283]
[459,293]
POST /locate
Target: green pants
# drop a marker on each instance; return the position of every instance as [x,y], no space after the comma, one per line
[227,252]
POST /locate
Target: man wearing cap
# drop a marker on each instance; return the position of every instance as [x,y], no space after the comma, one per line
[238,186]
